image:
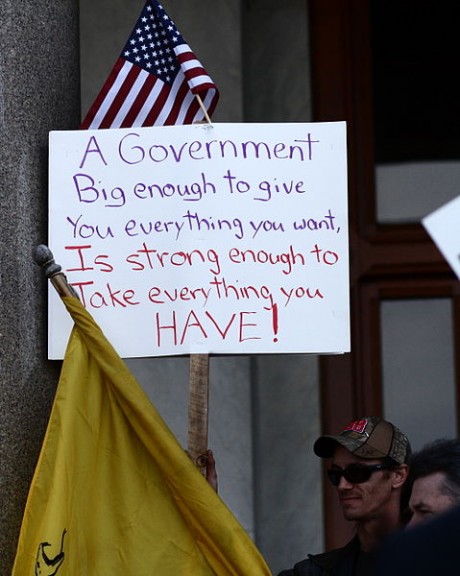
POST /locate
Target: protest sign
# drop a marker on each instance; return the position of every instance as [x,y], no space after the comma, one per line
[210,238]
[443,227]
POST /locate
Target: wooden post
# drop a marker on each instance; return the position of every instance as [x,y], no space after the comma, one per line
[198,410]
[198,406]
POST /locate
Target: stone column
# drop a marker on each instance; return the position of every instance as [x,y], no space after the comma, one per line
[39,92]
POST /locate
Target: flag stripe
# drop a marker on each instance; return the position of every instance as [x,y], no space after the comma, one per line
[193,111]
[187,114]
[163,104]
[106,95]
[147,90]
[123,94]
[131,99]
[154,103]
[178,104]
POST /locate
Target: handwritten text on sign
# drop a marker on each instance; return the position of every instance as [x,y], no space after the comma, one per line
[222,238]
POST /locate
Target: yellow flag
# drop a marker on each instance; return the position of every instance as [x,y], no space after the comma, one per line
[113,493]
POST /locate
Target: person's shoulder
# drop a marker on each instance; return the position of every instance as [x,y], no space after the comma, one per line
[302,568]
[331,558]
[318,564]
[287,573]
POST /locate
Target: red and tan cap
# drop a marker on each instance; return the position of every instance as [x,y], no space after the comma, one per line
[370,437]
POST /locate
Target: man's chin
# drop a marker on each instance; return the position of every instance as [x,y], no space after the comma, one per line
[350,512]
[351,515]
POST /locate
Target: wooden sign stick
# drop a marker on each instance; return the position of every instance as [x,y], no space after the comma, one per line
[198,410]
[199,388]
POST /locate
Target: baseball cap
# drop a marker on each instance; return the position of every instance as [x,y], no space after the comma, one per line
[369,437]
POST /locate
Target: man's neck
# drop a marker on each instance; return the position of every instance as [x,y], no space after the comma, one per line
[371,533]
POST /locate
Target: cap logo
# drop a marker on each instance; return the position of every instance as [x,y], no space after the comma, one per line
[357,426]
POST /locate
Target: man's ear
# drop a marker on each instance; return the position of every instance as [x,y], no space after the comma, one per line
[400,475]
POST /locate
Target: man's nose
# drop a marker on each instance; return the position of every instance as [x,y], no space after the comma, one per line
[344,484]
[414,521]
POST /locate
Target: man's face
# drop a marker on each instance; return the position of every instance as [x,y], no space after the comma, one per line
[368,500]
[429,498]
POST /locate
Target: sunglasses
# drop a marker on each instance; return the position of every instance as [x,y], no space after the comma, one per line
[355,473]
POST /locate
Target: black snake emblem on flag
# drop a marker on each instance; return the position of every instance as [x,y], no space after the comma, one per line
[45,566]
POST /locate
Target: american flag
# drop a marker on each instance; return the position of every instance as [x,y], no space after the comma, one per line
[155,79]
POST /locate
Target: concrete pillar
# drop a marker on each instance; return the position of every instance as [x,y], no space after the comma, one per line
[39,92]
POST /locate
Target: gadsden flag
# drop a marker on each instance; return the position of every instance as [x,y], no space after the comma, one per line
[113,492]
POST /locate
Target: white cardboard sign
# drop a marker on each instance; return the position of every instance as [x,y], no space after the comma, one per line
[218,238]
[443,227]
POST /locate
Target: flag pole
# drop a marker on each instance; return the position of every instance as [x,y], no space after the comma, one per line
[203,107]
[45,259]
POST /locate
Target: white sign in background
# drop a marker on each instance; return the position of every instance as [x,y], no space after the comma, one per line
[443,227]
[210,238]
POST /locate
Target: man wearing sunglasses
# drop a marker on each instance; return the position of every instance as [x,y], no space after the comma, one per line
[368,467]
